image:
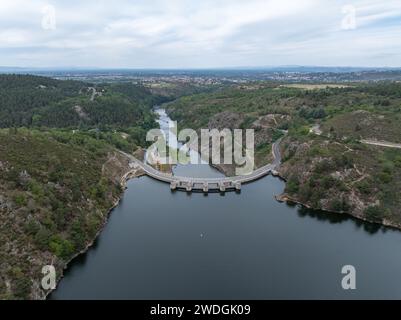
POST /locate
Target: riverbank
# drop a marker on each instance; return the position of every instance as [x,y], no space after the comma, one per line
[173,211]
[228,170]
[123,175]
[231,246]
[285,198]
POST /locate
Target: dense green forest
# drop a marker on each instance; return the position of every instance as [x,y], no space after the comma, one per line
[33,101]
[60,169]
[22,96]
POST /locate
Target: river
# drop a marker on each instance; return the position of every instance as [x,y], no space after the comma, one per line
[160,244]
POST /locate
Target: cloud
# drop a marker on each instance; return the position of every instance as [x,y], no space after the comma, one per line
[218,33]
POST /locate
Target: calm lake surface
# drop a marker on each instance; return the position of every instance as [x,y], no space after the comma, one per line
[160,244]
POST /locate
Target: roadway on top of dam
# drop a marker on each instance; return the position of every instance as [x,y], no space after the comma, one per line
[209,184]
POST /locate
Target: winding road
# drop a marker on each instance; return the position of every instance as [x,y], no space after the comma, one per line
[382,143]
[208,184]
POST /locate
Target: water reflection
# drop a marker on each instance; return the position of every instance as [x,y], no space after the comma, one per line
[252,247]
[160,244]
[336,218]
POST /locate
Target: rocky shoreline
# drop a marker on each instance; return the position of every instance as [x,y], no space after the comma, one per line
[286,198]
[128,175]
[226,170]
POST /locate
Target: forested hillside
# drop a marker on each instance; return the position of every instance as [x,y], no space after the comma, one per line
[22,96]
[330,159]
[55,192]
[60,170]
[33,101]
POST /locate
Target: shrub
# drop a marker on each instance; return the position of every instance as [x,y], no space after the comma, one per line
[328,182]
[42,237]
[61,247]
[339,205]
[22,287]
[292,185]
[277,134]
[385,177]
[364,186]
[20,200]
[374,213]
[31,227]
[78,234]
[324,166]
[36,189]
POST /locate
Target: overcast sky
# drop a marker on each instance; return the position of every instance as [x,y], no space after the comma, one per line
[199,33]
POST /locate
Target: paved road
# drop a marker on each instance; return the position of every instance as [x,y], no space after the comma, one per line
[210,183]
[382,143]
[93,93]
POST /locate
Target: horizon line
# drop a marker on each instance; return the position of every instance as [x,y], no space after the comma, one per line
[60,68]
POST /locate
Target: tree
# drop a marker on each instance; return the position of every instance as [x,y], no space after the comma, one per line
[292,185]
[374,213]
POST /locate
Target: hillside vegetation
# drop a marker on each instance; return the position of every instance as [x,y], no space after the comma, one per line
[60,170]
[324,161]
[33,101]
[55,192]
[60,165]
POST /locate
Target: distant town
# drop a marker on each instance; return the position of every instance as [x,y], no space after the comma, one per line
[219,76]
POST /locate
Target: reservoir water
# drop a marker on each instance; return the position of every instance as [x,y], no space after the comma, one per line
[160,244]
